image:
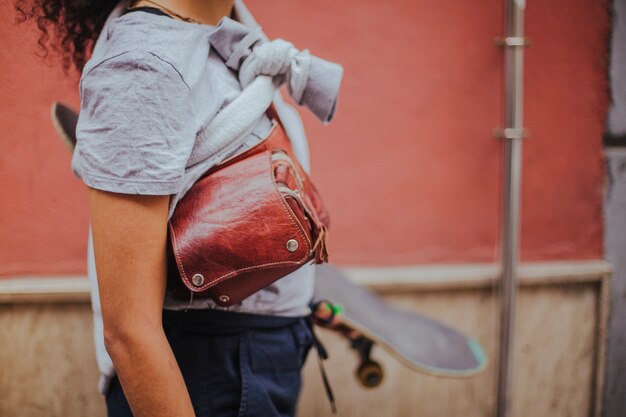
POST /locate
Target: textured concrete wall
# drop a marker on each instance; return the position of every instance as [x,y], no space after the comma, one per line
[49,370]
[615,238]
[409,168]
[615,219]
[617,112]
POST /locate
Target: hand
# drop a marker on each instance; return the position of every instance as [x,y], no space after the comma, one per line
[326,314]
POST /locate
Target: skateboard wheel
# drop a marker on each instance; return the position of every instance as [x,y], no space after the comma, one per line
[370,374]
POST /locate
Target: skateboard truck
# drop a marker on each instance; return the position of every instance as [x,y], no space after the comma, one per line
[369,373]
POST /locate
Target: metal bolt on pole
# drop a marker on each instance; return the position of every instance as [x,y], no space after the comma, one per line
[513,134]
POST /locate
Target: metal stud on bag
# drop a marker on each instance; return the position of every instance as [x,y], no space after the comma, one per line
[224,298]
[292,245]
[197,280]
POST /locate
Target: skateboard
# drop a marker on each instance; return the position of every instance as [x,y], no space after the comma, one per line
[417,341]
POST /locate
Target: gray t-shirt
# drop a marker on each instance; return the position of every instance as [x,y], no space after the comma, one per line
[151,84]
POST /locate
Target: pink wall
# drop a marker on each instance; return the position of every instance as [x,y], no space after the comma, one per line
[408,167]
[43,211]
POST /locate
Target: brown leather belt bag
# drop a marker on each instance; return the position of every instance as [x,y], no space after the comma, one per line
[246,223]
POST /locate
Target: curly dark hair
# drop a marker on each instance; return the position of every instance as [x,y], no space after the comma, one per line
[68,27]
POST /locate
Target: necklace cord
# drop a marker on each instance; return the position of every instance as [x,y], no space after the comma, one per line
[166,10]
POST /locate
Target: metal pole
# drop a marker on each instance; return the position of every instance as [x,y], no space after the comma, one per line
[513,134]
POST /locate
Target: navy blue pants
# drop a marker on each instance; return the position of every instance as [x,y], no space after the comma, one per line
[234,364]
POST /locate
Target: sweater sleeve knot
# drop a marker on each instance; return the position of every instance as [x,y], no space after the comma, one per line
[312,81]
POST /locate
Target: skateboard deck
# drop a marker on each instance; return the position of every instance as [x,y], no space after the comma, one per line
[64,120]
[419,342]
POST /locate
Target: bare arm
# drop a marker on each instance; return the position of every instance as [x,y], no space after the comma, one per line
[130,237]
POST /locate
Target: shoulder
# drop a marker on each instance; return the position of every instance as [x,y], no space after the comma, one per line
[144,43]
[138,83]
[133,68]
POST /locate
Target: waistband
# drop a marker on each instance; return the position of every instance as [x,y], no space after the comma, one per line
[211,321]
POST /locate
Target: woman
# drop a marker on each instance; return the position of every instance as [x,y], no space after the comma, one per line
[158,73]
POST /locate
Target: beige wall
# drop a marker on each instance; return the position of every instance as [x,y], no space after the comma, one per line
[47,361]
[49,369]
